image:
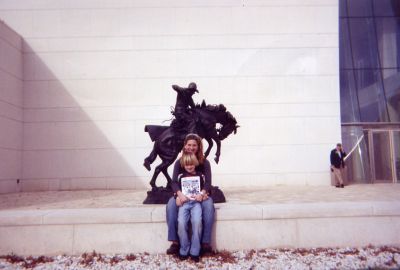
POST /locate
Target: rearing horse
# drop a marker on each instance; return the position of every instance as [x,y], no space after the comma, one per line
[168,142]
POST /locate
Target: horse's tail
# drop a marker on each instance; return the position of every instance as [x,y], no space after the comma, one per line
[155,131]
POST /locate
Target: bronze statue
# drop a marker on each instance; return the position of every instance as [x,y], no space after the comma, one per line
[189,118]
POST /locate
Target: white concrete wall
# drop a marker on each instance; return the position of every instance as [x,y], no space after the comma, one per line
[97,71]
[10,109]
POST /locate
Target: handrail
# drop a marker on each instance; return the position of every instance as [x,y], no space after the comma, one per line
[354,148]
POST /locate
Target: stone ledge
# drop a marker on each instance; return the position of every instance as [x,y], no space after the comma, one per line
[224,212]
[237,226]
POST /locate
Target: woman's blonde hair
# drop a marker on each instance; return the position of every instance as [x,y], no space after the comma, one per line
[197,138]
[188,159]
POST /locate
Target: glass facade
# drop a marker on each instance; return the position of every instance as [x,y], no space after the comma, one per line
[369,49]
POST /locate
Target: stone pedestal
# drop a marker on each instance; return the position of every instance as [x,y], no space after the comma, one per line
[158,195]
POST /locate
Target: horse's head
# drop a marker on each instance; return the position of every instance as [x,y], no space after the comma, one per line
[210,115]
[228,127]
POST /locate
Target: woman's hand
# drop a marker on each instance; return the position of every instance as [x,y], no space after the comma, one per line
[181,198]
[199,197]
[202,196]
[178,201]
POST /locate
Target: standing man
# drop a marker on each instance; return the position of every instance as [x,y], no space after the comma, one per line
[337,164]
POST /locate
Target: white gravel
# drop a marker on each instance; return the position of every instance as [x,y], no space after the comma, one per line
[384,257]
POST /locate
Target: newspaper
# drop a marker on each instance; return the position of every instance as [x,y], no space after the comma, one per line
[190,186]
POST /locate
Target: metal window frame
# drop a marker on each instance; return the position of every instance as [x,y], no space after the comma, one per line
[390,132]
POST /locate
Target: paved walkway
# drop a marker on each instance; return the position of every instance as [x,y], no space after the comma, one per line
[248,195]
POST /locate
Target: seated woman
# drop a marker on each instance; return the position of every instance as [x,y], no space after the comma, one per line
[192,144]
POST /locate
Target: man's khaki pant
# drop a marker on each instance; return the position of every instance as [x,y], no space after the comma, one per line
[338,173]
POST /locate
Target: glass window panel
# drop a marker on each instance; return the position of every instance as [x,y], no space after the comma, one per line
[348,97]
[396,145]
[357,163]
[344,45]
[371,96]
[388,35]
[342,8]
[359,8]
[391,82]
[363,42]
[382,160]
[386,7]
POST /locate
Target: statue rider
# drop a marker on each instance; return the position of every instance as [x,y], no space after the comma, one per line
[184,120]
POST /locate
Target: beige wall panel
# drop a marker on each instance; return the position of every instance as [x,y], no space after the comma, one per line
[9,186]
[54,240]
[343,232]
[264,233]
[73,4]
[11,126]
[300,90]
[121,238]
[96,72]
[149,64]
[11,58]
[10,36]
[81,163]
[149,113]
[96,93]
[274,159]
[179,42]
[11,134]
[78,135]
[10,89]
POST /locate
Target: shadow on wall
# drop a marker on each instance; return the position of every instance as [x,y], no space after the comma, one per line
[10,108]
[74,138]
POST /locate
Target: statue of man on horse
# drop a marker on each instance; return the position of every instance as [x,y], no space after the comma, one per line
[189,118]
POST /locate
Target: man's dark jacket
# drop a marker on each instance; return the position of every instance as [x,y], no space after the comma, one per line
[336,160]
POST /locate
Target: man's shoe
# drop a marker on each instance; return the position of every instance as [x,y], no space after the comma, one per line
[195,258]
[182,257]
[173,249]
[342,186]
[338,186]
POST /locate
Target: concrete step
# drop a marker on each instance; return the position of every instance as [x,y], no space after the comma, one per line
[125,230]
[52,228]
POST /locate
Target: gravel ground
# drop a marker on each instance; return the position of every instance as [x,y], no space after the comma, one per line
[385,257]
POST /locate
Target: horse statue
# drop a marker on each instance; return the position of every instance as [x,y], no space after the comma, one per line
[168,141]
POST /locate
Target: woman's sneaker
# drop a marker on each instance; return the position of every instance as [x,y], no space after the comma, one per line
[182,257]
[195,258]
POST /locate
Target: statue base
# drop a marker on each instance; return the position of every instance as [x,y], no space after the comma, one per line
[158,195]
[161,195]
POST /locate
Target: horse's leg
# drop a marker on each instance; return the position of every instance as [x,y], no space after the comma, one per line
[210,145]
[150,159]
[157,171]
[163,167]
[165,172]
[218,152]
[214,136]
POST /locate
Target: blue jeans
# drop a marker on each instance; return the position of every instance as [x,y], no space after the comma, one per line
[189,210]
[208,219]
